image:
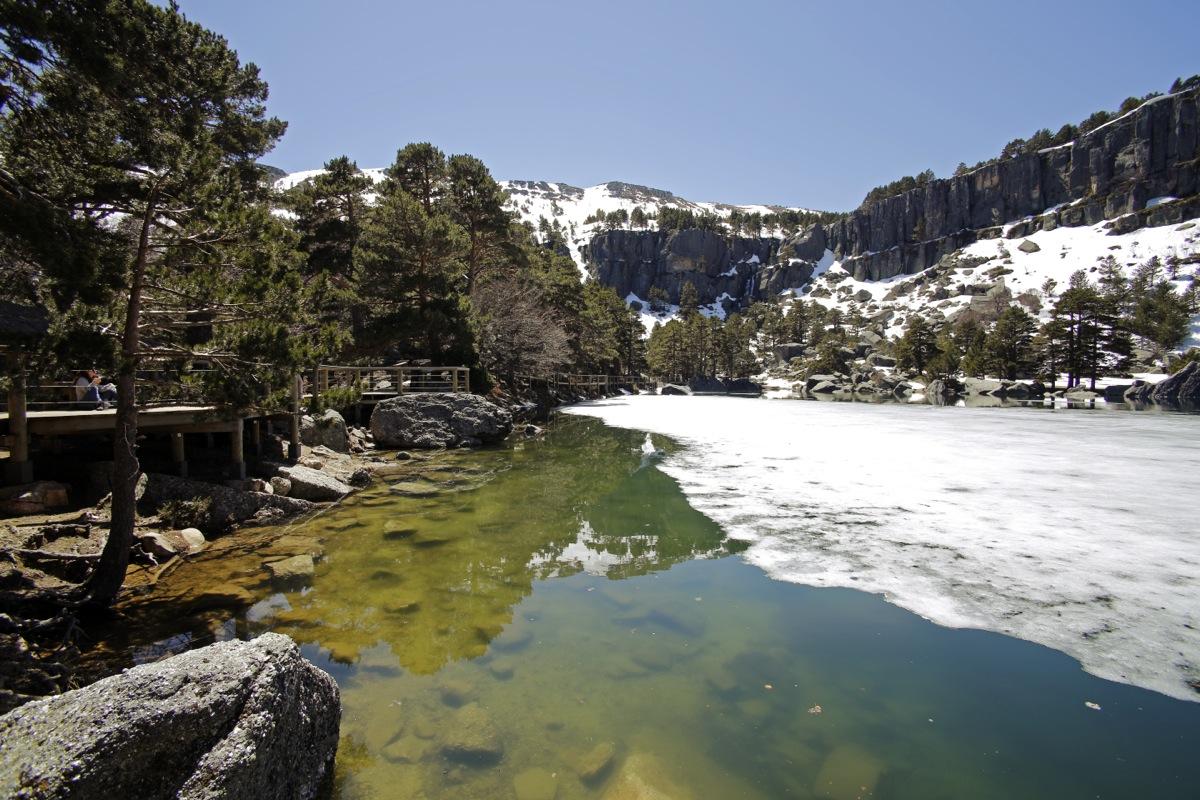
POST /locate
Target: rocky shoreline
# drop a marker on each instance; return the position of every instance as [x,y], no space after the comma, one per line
[44,555]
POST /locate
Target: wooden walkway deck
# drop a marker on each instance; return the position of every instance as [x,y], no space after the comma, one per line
[207,419]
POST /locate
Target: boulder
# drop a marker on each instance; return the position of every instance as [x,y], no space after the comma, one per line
[1028,246]
[312,484]
[944,387]
[783,353]
[32,498]
[1139,392]
[1181,390]
[281,486]
[880,360]
[193,539]
[327,429]
[156,545]
[1116,392]
[438,419]
[674,389]
[228,505]
[236,720]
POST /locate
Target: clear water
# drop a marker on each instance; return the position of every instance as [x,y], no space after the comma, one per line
[562,594]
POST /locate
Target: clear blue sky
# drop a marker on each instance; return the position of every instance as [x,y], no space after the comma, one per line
[742,101]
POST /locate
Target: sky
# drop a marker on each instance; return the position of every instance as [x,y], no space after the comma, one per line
[742,101]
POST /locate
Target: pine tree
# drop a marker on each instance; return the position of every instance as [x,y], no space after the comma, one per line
[129,113]
[689,299]
[638,218]
[420,170]
[971,338]
[917,346]
[1009,345]
[476,204]
[329,210]
[410,262]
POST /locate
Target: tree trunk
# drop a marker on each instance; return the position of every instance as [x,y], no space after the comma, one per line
[105,582]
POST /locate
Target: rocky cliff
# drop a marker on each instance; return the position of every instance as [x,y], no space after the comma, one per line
[635,261]
[1150,153]
[1140,170]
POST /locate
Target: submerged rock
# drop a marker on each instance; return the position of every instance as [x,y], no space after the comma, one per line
[593,765]
[643,777]
[234,720]
[438,419]
[847,774]
[471,736]
[536,784]
[287,572]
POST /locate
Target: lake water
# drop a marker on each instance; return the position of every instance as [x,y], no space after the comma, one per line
[557,619]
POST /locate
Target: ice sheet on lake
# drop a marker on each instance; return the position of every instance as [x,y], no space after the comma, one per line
[1072,529]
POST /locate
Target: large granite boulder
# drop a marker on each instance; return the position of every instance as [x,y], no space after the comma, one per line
[1181,390]
[438,419]
[234,720]
[313,484]
[328,429]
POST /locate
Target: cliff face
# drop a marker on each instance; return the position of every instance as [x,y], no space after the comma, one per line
[1108,174]
[636,261]
[1149,153]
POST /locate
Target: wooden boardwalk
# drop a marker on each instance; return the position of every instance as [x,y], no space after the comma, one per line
[367,385]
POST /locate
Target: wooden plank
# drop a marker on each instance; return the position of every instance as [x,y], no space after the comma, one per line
[50,423]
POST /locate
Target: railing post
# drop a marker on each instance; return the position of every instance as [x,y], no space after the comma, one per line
[178,455]
[294,429]
[20,468]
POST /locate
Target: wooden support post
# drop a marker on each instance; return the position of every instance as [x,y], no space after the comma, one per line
[257,437]
[178,455]
[294,429]
[20,468]
[237,467]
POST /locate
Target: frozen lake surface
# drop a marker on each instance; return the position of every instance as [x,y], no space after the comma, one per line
[1073,529]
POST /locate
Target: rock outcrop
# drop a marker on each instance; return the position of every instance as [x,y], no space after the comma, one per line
[328,429]
[228,505]
[232,720]
[1110,173]
[636,261]
[438,419]
[1181,390]
[1114,170]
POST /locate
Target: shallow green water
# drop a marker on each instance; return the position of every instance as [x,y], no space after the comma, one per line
[496,619]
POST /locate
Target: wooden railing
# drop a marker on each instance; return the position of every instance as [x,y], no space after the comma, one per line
[580,384]
[380,382]
[155,387]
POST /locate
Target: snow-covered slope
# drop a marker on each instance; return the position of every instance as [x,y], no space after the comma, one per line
[1023,269]
[569,206]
